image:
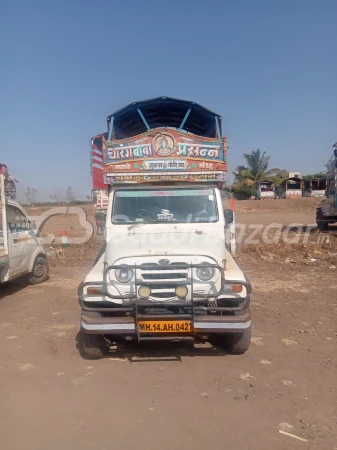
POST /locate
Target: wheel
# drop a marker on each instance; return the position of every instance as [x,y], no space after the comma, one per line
[238,343]
[93,346]
[40,272]
[322,223]
[235,343]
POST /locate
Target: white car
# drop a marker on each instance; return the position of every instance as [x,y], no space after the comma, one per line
[21,249]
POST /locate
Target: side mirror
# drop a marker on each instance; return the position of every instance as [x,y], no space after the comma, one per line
[229,216]
[33,226]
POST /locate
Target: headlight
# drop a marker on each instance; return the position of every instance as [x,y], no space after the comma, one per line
[123,275]
[205,273]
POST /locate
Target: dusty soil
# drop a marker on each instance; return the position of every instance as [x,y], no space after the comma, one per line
[277,211]
[305,204]
[173,396]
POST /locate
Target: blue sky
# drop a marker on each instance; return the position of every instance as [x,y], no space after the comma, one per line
[268,67]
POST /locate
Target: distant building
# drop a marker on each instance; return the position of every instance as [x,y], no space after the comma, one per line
[294,175]
[292,187]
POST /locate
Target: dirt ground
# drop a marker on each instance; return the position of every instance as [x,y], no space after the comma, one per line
[277,211]
[175,396]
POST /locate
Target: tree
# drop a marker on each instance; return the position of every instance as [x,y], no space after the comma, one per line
[70,195]
[56,196]
[255,171]
[279,176]
[314,176]
[242,191]
[30,195]
[238,175]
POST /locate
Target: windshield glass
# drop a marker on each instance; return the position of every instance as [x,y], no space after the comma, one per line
[164,205]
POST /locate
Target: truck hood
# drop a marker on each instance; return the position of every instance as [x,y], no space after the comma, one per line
[165,242]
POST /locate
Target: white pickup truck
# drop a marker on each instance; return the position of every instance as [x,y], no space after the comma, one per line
[21,250]
[166,272]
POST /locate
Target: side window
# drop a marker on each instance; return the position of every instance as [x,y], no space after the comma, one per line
[16,220]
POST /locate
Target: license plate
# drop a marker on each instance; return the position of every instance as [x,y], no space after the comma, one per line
[176,326]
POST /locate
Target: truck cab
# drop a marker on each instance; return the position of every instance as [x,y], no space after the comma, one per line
[21,250]
[166,272]
[326,212]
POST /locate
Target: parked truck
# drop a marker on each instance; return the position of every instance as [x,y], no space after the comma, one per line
[99,188]
[101,198]
[166,272]
[21,249]
[326,212]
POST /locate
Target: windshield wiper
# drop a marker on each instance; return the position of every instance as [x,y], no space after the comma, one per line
[137,224]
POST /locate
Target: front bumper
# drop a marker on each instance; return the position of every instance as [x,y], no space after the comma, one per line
[127,325]
[222,314]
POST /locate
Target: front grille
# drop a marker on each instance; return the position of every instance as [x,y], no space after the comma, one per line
[149,266]
[170,272]
[164,276]
[164,295]
[161,273]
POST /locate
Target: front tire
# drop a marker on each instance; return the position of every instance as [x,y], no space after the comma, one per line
[40,271]
[322,223]
[238,343]
[93,346]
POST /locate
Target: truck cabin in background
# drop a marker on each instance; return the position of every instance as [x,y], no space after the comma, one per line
[266,190]
[292,188]
[315,187]
[326,212]
[332,172]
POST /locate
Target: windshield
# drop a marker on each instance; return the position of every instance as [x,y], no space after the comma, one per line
[164,205]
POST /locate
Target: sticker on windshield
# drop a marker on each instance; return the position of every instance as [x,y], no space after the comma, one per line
[211,197]
[165,215]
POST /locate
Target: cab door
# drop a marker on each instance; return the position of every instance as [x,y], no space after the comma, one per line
[21,241]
